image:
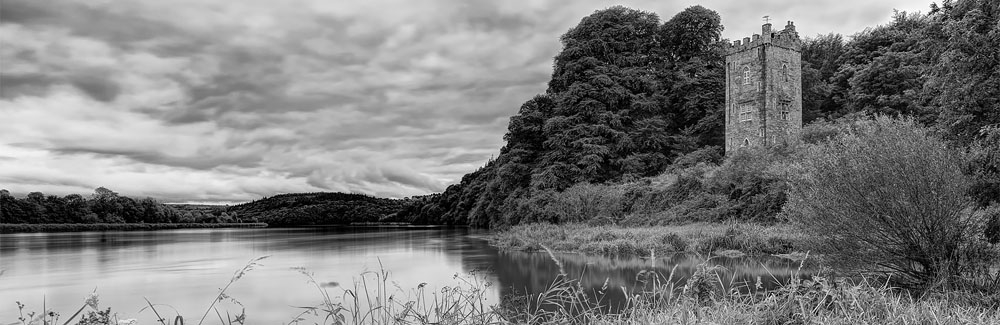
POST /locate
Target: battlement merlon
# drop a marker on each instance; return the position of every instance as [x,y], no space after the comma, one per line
[786,38]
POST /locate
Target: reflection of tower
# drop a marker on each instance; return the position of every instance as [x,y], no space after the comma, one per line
[764,88]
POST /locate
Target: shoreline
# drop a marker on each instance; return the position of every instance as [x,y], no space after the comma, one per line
[634,241]
[14,228]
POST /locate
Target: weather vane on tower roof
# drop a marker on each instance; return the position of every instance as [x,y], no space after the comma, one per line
[767,19]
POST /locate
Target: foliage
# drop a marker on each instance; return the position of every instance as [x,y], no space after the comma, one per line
[630,95]
[104,206]
[68,227]
[941,68]
[889,197]
[641,241]
[317,209]
[627,95]
[984,167]
[703,299]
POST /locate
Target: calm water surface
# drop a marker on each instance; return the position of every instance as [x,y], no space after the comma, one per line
[185,268]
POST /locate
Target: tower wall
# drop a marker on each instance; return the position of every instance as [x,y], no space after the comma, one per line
[764,89]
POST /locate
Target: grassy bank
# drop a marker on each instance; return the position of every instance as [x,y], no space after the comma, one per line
[9,228]
[641,241]
[374,298]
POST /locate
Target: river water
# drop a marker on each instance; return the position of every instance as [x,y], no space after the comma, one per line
[184,269]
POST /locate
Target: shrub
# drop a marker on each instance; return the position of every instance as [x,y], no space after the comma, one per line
[754,182]
[984,167]
[674,241]
[992,229]
[709,154]
[888,197]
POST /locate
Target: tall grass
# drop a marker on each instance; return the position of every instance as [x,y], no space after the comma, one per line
[611,240]
[706,297]
[375,299]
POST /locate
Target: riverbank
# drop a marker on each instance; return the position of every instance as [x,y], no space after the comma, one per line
[663,300]
[747,238]
[10,228]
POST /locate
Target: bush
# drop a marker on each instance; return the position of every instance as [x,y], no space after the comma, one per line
[754,182]
[710,154]
[983,166]
[992,229]
[888,197]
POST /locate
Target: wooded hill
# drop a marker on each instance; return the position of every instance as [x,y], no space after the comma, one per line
[630,95]
[317,209]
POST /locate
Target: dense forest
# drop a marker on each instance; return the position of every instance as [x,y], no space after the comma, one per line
[634,106]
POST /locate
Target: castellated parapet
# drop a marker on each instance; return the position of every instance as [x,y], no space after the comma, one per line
[764,88]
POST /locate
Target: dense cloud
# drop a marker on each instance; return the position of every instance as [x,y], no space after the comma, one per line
[233,100]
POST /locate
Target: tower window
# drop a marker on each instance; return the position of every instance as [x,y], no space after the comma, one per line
[784,71]
[746,75]
[746,142]
[746,113]
[783,109]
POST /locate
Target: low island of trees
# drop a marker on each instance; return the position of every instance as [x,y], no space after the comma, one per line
[107,210]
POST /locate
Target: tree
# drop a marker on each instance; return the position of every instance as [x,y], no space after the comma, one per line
[888,197]
[627,96]
[967,69]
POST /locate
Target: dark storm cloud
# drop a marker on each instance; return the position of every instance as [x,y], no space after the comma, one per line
[44,180]
[83,19]
[14,85]
[96,86]
[230,101]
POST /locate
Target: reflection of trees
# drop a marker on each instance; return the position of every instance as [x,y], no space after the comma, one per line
[521,272]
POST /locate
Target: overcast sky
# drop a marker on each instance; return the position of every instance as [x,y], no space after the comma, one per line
[229,101]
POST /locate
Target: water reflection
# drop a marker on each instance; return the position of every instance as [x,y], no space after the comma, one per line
[185,267]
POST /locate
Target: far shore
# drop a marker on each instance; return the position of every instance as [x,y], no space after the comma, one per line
[10,228]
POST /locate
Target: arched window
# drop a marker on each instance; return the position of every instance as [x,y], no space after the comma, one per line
[746,142]
[746,75]
[784,71]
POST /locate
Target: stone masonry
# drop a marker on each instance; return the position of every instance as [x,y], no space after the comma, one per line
[764,89]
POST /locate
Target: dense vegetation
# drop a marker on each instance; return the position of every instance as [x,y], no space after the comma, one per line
[6,228]
[318,209]
[635,105]
[627,96]
[104,206]
[896,198]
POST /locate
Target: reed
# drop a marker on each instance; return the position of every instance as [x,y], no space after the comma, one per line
[704,297]
[611,240]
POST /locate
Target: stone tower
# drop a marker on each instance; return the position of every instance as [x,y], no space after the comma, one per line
[764,89]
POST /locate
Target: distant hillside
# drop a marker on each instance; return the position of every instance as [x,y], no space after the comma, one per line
[318,209]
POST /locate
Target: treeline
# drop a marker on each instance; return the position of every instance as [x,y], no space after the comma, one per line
[104,206]
[107,207]
[631,98]
[319,209]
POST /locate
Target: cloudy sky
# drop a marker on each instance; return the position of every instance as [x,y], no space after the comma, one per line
[228,101]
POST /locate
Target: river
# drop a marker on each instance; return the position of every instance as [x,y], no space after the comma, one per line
[184,269]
